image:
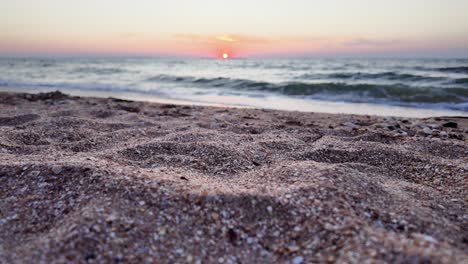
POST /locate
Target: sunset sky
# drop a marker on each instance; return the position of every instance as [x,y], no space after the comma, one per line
[243,28]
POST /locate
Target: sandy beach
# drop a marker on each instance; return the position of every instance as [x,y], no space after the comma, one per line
[102,180]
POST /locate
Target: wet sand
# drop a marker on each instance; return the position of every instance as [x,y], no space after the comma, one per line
[107,181]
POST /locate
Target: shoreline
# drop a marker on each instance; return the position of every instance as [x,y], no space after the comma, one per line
[270,103]
[86,179]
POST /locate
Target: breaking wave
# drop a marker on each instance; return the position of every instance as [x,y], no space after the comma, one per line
[402,94]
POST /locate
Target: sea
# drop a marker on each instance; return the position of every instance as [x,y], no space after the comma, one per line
[399,87]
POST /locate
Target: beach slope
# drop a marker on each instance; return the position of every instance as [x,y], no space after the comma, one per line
[108,180]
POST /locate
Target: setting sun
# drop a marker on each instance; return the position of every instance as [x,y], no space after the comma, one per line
[225,56]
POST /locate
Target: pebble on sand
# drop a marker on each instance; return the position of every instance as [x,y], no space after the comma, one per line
[298,260]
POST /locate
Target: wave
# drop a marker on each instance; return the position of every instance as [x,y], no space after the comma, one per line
[461,81]
[211,82]
[99,71]
[392,76]
[367,92]
[331,90]
[454,98]
[101,87]
[460,69]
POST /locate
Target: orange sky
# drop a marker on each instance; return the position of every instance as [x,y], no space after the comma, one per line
[207,28]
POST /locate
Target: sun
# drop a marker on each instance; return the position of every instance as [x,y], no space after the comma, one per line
[225,56]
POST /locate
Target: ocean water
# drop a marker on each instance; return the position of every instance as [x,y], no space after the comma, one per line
[416,84]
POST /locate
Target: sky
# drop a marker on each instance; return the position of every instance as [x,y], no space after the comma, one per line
[242,28]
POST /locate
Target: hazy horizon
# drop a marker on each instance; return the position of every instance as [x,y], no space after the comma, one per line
[208,28]
[250,57]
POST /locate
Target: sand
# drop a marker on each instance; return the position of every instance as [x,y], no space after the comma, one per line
[110,181]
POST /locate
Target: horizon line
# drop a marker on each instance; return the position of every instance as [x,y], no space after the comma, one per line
[273,56]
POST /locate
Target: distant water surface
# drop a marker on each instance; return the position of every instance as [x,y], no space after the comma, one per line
[432,84]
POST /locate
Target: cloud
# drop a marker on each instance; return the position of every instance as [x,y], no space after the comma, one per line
[223,38]
[365,42]
[285,44]
[299,40]
[226,38]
